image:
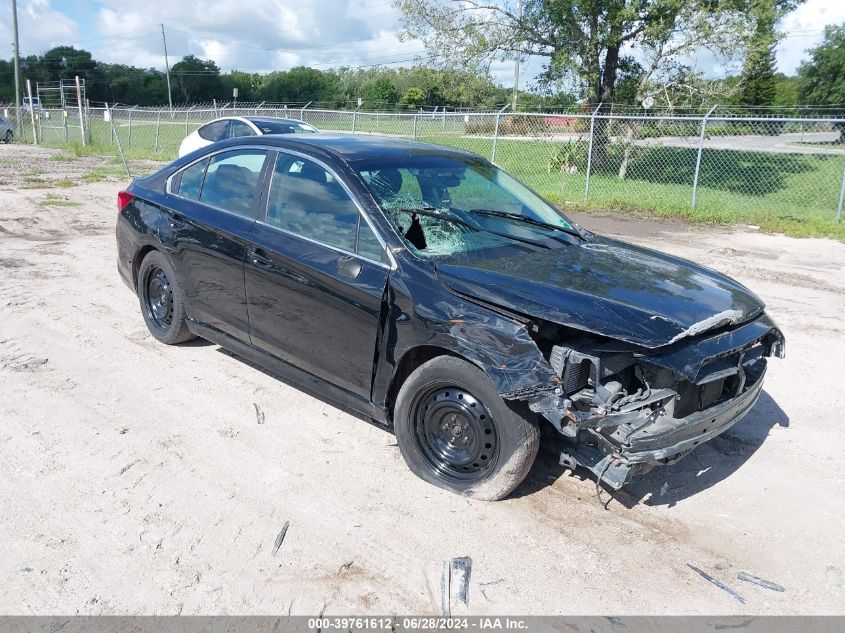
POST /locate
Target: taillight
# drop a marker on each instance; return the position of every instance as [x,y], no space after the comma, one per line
[123,198]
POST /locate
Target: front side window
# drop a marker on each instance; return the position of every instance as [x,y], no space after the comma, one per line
[307,200]
[214,131]
[232,181]
[190,183]
[239,128]
[444,205]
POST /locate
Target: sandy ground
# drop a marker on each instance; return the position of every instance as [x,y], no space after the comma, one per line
[135,478]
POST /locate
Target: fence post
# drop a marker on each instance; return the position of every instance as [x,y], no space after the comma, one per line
[129,139]
[495,131]
[415,127]
[355,116]
[214,104]
[590,150]
[302,111]
[64,123]
[698,158]
[31,112]
[117,138]
[158,129]
[186,119]
[841,199]
[79,105]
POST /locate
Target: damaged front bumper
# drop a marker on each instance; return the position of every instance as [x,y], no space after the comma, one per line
[665,442]
[690,395]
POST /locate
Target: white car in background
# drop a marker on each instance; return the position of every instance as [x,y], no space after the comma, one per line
[232,127]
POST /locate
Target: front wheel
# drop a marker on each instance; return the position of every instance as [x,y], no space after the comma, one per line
[456,432]
[8,137]
[162,304]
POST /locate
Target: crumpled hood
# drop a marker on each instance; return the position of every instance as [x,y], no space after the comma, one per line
[611,288]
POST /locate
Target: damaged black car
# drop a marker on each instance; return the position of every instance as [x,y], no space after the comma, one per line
[428,290]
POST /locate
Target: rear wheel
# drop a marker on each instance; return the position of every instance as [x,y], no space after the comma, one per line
[456,432]
[162,304]
[8,137]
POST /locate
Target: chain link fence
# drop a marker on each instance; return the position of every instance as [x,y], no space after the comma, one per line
[711,167]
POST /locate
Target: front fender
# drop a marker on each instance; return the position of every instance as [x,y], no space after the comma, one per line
[498,344]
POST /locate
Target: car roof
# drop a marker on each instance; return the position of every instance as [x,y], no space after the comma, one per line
[358,147]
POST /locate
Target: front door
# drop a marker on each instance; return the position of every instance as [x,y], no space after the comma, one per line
[315,276]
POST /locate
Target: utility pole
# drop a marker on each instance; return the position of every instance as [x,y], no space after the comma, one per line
[167,68]
[17,56]
[516,67]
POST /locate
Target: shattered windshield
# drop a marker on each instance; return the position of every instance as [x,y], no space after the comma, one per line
[443,205]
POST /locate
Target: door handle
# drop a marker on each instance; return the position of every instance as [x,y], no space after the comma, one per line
[260,258]
[349,266]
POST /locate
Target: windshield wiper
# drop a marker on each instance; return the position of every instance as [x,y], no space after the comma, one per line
[526,219]
[433,212]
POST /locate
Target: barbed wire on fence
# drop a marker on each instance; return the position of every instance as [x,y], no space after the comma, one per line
[727,166]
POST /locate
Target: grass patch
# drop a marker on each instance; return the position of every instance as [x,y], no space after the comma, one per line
[98,174]
[55,200]
[63,158]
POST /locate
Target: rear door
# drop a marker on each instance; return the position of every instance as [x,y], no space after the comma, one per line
[315,275]
[207,230]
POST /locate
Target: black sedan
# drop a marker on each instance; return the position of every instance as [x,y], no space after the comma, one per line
[430,291]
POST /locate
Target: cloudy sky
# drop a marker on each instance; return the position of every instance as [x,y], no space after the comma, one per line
[263,35]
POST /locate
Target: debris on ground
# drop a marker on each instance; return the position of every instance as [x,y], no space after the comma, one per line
[259,413]
[461,570]
[768,584]
[445,589]
[664,488]
[482,585]
[280,537]
[718,583]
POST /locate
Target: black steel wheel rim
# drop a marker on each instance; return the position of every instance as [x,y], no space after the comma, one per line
[455,433]
[158,298]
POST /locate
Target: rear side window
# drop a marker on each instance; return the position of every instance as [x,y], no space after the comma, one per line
[239,128]
[190,183]
[215,131]
[232,181]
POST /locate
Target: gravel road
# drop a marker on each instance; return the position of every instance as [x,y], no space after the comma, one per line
[137,478]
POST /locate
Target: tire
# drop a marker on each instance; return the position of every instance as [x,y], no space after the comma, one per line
[8,137]
[162,301]
[456,432]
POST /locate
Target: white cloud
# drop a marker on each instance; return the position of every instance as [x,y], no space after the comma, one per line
[261,35]
[803,28]
[40,27]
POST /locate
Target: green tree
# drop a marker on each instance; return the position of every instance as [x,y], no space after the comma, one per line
[758,83]
[580,39]
[248,84]
[380,93]
[299,86]
[413,98]
[821,79]
[196,80]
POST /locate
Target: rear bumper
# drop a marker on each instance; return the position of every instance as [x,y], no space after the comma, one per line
[662,443]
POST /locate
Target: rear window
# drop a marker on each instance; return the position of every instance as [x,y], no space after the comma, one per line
[216,131]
